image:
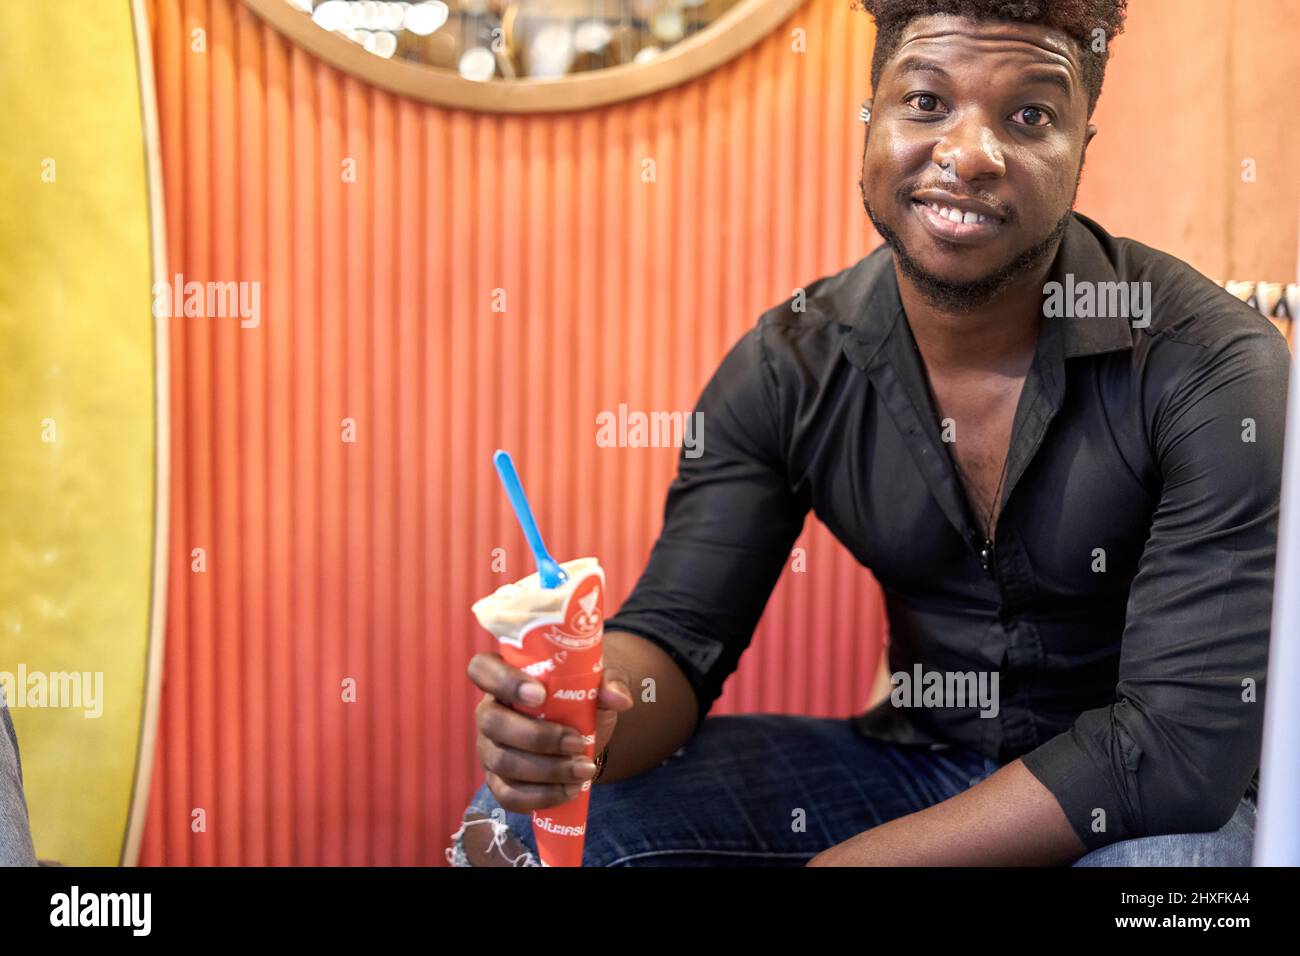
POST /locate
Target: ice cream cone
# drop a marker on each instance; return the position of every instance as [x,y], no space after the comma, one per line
[554,635]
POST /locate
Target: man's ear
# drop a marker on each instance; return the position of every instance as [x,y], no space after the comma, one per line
[1088,135]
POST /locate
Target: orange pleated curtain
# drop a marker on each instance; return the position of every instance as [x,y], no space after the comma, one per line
[315,703]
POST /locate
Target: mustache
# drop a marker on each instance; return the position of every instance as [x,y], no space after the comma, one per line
[958,190]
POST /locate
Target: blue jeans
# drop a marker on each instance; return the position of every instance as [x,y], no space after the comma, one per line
[774,790]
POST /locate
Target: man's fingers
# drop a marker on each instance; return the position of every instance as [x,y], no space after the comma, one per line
[509,728]
[522,797]
[491,674]
[615,692]
[519,766]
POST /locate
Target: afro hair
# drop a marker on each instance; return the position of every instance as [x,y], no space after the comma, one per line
[1084,21]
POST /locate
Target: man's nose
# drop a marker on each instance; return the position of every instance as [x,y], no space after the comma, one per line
[969,150]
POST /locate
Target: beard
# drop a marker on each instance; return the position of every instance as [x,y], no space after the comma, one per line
[964,296]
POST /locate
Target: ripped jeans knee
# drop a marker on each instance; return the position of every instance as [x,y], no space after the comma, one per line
[496,849]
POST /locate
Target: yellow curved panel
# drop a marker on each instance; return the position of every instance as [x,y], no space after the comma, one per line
[79,400]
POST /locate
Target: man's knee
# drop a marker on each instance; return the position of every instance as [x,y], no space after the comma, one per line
[489,836]
[485,837]
[1231,845]
[484,840]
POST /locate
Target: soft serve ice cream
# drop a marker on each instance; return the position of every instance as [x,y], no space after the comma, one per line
[554,635]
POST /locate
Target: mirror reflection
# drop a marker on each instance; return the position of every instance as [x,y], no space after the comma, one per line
[487,40]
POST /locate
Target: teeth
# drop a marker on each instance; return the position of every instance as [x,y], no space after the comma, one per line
[956,215]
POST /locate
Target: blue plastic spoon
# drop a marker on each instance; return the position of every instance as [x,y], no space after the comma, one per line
[550,572]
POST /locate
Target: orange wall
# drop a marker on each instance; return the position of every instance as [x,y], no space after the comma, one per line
[328,560]
[1196,87]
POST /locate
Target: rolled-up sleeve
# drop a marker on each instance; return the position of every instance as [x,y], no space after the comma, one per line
[1176,750]
[730,521]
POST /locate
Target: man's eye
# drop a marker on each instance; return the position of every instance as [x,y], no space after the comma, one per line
[924,102]
[1033,116]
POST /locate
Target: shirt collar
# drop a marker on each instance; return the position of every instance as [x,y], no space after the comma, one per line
[1083,255]
[876,307]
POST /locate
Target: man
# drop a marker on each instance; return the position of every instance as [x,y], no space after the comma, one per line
[1058,451]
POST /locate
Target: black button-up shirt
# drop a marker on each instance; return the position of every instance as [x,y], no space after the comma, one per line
[1126,606]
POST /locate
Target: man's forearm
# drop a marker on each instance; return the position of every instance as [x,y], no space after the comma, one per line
[653,729]
[1010,819]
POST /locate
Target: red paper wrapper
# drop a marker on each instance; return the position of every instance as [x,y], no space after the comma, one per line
[562,650]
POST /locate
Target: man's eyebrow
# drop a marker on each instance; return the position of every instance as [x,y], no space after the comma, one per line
[1040,73]
[916,64]
[1051,76]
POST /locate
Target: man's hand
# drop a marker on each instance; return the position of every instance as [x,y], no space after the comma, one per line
[532,763]
[1010,819]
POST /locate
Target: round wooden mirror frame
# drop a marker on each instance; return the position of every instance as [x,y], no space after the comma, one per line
[730,35]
